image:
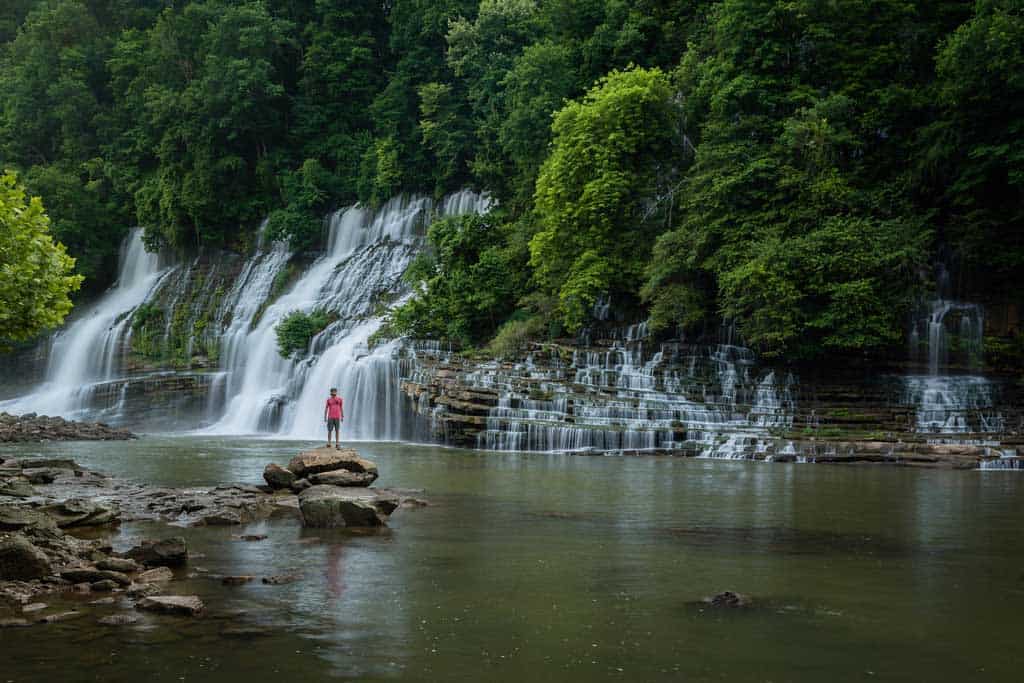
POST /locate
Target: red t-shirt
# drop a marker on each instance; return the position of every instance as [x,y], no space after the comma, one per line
[334,404]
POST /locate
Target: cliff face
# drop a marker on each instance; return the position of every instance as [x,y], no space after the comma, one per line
[716,401]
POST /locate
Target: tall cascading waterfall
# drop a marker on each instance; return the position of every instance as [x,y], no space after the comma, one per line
[950,403]
[84,356]
[367,253]
[628,396]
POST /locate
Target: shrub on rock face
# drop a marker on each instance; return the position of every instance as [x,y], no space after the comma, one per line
[297,329]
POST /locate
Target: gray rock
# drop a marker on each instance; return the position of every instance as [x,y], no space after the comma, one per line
[729,599]
[103,601]
[155,575]
[15,518]
[185,605]
[13,623]
[20,560]
[333,507]
[104,586]
[142,590]
[327,460]
[278,477]
[170,552]
[77,512]
[16,487]
[34,607]
[300,485]
[118,620]
[343,478]
[118,564]
[92,576]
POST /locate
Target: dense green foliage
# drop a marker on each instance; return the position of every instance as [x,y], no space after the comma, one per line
[35,273]
[298,328]
[796,168]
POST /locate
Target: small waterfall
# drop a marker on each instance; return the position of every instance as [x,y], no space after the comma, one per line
[947,403]
[84,355]
[629,396]
[367,253]
[1005,462]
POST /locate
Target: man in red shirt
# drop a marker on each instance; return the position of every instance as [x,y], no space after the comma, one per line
[334,414]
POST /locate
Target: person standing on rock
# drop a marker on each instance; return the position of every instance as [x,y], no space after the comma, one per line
[334,414]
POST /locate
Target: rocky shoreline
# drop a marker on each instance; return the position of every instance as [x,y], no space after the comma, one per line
[32,427]
[57,521]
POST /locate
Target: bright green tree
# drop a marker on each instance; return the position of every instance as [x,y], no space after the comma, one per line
[35,273]
[603,192]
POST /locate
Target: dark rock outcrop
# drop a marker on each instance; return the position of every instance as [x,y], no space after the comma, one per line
[32,427]
[183,605]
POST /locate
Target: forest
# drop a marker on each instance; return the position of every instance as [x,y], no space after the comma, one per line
[794,169]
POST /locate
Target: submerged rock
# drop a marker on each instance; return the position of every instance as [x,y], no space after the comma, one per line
[155,575]
[333,507]
[325,459]
[20,560]
[118,620]
[729,599]
[280,579]
[186,605]
[236,580]
[169,552]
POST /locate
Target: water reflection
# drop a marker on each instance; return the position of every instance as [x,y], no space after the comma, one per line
[577,568]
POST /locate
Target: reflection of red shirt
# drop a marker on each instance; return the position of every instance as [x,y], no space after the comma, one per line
[334,404]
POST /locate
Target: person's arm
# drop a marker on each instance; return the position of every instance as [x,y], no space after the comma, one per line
[341,408]
[327,407]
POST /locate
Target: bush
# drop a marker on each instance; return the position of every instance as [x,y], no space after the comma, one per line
[514,335]
[296,329]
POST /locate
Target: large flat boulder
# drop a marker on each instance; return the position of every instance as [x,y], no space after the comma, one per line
[20,560]
[77,512]
[325,459]
[327,506]
[184,605]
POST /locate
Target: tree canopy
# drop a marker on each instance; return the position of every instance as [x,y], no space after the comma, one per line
[795,170]
[35,273]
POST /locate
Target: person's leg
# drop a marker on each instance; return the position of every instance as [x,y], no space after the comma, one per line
[329,427]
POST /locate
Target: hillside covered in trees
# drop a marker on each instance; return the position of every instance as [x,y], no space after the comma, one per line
[797,169]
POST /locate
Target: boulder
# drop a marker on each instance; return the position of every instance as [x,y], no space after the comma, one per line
[325,459]
[236,580]
[118,564]
[184,605]
[20,560]
[15,518]
[142,590]
[169,552]
[16,487]
[333,507]
[93,576]
[280,579]
[13,623]
[729,599]
[77,512]
[300,485]
[155,575]
[343,478]
[104,586]
[278,477]
[59,616]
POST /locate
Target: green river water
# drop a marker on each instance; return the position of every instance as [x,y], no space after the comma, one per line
[567,568]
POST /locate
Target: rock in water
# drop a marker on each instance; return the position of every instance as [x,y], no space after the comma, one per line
[729,599]
[332,507]
[76,512]
[327,460]
[118,620]
[343,478]
[20,560]
[155,575]
[278,477]
[185,605]
[170,552]
[118,564]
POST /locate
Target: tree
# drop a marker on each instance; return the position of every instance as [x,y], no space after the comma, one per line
[35,273]
[604,190]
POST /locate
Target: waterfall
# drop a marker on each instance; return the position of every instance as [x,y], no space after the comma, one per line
[948,403]
[367,253]
[85,354]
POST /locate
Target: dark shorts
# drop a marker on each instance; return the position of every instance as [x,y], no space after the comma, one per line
[333,423]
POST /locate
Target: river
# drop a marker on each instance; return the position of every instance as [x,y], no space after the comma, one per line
[569,568]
